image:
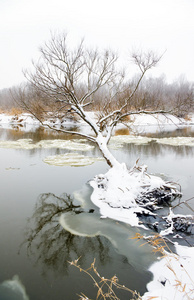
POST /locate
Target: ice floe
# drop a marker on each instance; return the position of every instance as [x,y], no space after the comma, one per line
[73,145]
[116,142]
[71,159]
[13,289]
[120,140]
[177,141]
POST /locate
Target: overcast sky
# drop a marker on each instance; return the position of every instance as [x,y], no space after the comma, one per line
[122,25]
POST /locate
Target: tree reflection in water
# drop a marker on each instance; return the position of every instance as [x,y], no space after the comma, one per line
[51,244]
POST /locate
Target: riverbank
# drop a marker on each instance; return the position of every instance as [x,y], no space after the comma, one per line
[136,123]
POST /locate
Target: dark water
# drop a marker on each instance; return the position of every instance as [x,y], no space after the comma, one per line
[34,246]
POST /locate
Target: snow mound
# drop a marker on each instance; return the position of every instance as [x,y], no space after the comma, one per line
[155,119]
[115,193]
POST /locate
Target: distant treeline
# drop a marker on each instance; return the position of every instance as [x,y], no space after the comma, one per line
[152,94]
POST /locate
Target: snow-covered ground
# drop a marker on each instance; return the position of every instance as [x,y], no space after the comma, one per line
[173,276]
[157,121]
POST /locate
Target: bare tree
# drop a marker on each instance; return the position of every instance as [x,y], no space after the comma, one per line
[183,97]
[70,81]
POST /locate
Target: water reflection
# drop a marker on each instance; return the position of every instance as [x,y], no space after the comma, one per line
[16,132]
[119,146]
[163,130]
[53,246]
[49,244]
[154,150]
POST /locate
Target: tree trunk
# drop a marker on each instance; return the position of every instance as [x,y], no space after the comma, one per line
[102,144]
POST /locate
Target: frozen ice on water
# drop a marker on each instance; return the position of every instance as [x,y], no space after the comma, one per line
[177,141]
[62,144]
[71,159]
[65,144]
[119,140]
[13,289]
[19,144]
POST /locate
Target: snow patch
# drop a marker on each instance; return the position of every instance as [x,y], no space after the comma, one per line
[156,119]
[173,276]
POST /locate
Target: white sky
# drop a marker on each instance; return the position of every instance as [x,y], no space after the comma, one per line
[160,25]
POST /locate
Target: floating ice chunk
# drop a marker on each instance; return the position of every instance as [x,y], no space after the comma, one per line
[62,144]
[19,144]
[71,159]
[177,141]
[65,144]
[13,290]
[119,140]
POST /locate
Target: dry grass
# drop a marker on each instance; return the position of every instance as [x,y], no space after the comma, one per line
[161,247]
[105,287]
[187,118]
[14,111]
[122,131]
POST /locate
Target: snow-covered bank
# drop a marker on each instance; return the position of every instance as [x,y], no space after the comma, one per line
[173,276]
[139,122]
[28,122]
[156,119]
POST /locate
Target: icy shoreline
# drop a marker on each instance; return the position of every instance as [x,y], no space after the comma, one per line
[172,276]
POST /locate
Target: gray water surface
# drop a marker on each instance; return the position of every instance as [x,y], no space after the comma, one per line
[33,196]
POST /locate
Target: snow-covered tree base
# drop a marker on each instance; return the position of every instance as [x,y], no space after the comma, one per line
[126,195]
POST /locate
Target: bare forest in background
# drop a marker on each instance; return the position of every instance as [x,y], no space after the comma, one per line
[152,94]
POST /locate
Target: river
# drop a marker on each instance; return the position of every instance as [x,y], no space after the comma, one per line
[33,195]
